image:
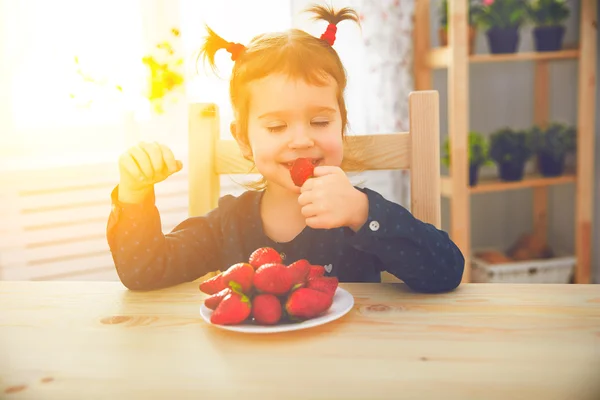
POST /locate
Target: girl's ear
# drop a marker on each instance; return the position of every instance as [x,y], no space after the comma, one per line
[241,141]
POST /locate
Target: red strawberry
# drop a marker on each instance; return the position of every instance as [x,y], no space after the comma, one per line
[213,285]
[306,303]
[299,271]
[266,309]
[232,310]
[239,276]
[316,271]
[273,278]
[264,255]
[213,301]
[325,284]
[302,169]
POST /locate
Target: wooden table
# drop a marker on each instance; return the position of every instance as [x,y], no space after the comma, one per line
[97,340]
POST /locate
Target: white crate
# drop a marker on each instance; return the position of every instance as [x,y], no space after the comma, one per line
[552,270]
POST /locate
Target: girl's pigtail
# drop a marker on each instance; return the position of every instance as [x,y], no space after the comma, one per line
[214,43]
[332,16]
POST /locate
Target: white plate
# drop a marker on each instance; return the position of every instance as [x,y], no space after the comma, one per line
[342,304]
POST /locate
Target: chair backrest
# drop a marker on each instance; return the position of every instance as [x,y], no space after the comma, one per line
[417,151]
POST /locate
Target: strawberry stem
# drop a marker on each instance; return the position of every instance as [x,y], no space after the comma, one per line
[236,287]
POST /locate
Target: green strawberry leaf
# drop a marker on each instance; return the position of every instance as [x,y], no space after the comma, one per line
[297,286]
[236,287]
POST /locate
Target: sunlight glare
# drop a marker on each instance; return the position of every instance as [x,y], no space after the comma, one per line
[106,37]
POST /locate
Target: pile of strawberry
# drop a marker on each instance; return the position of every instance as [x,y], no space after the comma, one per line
[265,291]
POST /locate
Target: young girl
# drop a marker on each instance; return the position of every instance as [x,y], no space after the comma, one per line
[287,93]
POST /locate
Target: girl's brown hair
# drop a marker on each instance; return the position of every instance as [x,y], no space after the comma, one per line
[282,52]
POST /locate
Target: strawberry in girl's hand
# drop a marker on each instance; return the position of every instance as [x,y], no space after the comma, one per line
[239,277]
[264,255]
[266,309]
[302,169]
[306,303]
[299,271]
[213,285]
[214,300]
[316,271]
[273,278]
[325,284]
[232,310]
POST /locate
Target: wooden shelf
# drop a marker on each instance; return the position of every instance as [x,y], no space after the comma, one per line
[487,185]
[529,56]
[440,57]
[495,185]
[456,187]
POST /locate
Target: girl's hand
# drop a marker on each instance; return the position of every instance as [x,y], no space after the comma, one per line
[141,167]
[330,201]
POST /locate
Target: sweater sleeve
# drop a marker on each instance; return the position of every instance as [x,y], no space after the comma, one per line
[147,259]
[415,252]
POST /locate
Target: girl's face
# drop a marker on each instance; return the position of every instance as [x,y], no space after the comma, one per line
[289,119]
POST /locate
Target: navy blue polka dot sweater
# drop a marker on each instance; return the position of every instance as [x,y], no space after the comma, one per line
[391,240]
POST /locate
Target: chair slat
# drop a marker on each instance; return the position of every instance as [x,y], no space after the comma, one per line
[377,152]
[229,159]
[425,170]
[204,185]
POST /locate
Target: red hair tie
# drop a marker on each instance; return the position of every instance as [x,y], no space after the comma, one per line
[236,50]
[329,35]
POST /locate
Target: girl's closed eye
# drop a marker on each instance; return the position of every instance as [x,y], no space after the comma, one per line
[281,127]
[276,128]
[321,123]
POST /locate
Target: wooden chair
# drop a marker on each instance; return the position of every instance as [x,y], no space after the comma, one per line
[417,151]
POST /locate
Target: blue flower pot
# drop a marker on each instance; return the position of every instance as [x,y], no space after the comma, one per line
[473,174]
[548,38]
[551,166]
[503,40]
[511,171]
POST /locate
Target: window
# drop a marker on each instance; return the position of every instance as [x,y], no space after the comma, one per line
[49,111]
[49,101]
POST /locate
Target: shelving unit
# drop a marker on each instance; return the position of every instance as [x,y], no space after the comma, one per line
[456,59]
[439,58]
[493,185]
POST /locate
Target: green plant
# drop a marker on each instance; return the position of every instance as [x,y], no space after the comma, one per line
[443,14]
[478,150]
[508,146]
[500,13]
[547,12]
[555,141]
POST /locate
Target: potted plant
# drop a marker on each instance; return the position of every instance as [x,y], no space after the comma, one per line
[443,30]
[510,149]
[478,155]
[502,20]
[548,17]
[551,146]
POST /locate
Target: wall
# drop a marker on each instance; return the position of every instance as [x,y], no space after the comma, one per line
[502,94]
